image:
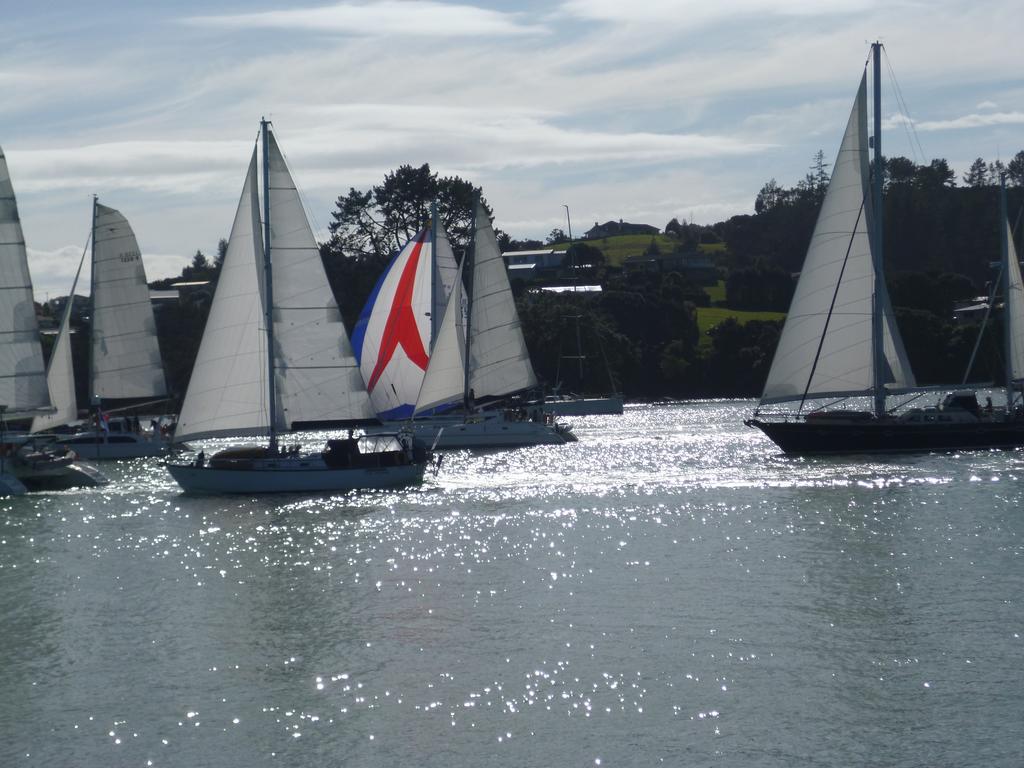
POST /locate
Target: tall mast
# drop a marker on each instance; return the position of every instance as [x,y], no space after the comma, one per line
[1005,261]
[470,258]
[268,286]
[877,343]
[93,400]
[434,319]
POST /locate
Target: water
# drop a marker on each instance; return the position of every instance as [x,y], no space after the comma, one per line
[667,591]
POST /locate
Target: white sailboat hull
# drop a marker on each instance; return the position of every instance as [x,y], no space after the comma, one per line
[487,431]
[98,446]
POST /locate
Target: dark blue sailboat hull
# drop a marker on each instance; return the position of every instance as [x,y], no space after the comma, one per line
[888,436]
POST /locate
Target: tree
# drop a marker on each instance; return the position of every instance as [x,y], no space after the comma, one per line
[557,236]
[584,255]
[1015,170]
[379,221]
[936,174]
[977,175]
[899,170]
[819,171]
[222,251]
[199,261]
[770,196]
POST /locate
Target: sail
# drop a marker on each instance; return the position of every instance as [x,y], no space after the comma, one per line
[825,349]
[125,353]
[317,374]
[227,393]
[392,337]
[60,374]
[22,373]
[445,271]
[1014,310]
[445,379]
[499,362]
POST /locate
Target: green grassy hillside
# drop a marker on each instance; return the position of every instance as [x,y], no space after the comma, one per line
[616,249]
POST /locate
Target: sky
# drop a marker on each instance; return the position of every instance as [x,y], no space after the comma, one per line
[642,110]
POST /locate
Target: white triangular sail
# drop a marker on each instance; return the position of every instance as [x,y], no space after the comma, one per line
[227,393]
[499,363]
[60,374]
[317,374]
[125,352]
[825,349]
[1014,310]
[444,382]
[445,272]
[22,372]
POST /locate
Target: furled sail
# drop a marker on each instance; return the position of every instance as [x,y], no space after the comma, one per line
[22,372]
[227,393]
[125,352]
[1014,310]
[825,349]
[317,374]
[499,363]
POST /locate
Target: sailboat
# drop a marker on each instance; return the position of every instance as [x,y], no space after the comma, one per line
[840,338]
[396,330]
[124,354]
[275,356]
[571,404]
[25,465]
[479,357]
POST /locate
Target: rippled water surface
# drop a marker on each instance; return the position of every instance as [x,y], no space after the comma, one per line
[667,591]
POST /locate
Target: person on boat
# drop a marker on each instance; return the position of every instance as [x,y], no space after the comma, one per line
[988,405]
[200,459]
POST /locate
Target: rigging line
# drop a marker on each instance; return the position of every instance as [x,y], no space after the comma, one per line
[912,130]
[835,296]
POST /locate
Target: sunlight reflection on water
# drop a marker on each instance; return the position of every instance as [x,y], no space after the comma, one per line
[670,589]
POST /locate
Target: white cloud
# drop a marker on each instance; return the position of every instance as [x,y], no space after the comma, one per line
[422,18]
[959,123]
[695,13]
[987,105]
[383,132]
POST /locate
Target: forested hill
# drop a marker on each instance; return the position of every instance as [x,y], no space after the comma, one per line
[931,222]
[660,328]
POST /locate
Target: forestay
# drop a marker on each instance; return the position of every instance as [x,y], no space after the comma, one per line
[826,349]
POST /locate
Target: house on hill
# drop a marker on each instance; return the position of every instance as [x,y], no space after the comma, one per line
[620,227]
